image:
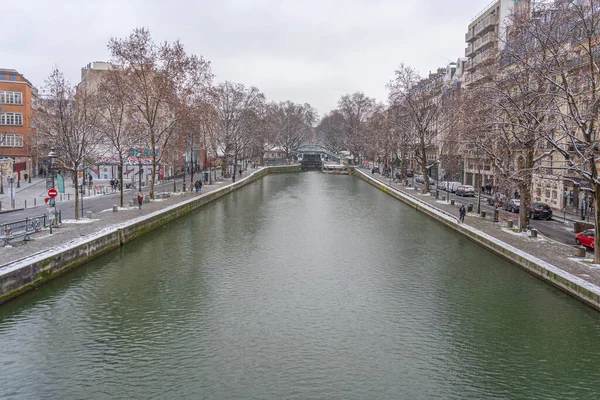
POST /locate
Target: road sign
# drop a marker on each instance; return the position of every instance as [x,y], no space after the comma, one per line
[52,193]
[46,200]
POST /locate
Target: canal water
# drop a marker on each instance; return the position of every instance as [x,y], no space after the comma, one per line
[300,286]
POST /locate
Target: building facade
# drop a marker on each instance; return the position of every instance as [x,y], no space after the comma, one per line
[18,130]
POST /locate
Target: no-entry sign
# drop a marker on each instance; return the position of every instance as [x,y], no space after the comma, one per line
[52,193]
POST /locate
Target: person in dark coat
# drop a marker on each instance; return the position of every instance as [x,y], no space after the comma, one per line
[462,212]
[199,185]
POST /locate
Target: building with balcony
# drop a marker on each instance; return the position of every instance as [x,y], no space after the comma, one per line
[18,130]
[486,33]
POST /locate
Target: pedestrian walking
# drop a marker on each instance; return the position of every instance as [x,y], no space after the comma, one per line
[200,185]
[140,199]
[462,212]
[196,186]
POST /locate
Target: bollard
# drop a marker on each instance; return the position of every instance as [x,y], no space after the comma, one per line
[443,197]
[61,197]
[470,207]
[34,201]
[130,203]
[483,214]
[534,233]
[509,224]
[25,203]
[89,214]
[13,203]
[451,202]
[115,208]
[437,194]
[68,196]
[581,251]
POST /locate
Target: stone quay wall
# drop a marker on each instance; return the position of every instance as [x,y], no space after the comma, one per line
[568,283]
[27,274]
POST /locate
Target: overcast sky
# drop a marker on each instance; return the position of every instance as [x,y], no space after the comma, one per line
[310,51]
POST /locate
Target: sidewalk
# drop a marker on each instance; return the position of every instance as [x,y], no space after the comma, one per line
[560,255]
[72,230]
[33,194]
[559,214]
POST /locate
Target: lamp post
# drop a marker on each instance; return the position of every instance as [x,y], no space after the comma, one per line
[140,172]
[428,172]
[52,211]
[1,178]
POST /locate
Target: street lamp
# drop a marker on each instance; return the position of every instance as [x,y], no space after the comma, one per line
[52,214]
[428,170]
[52,156]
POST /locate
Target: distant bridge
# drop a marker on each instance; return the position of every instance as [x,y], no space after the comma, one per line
[312,156]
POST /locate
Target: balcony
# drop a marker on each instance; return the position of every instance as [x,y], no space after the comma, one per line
[484,41]
[469,51]
[486,24]
[469,37]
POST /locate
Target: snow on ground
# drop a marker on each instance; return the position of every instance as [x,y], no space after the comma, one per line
[524,234]
[125,208]
[588,262]
[79,221]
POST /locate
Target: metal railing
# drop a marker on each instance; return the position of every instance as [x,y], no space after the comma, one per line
[28,225]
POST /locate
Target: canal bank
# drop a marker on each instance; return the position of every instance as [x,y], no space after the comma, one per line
[28,273]
[579,288]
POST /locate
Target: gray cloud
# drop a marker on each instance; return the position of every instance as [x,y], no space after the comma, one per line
[305,51]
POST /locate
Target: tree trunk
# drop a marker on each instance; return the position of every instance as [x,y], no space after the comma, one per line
[192,169]
[153,174]
[77,193]
[121,181]
[596,220]
[525,189]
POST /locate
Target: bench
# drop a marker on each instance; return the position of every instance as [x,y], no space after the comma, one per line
[22,229]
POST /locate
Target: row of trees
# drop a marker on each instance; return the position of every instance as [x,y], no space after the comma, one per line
[157,97]
[531,108]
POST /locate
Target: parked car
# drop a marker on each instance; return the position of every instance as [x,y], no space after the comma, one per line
[465,190]
[513,206]
[496,198]
[419,178]
[410,173]
[541,211]
[442,185]
[586,238]
[375,170]
[452,186]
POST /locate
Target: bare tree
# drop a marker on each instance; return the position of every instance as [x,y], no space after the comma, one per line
[69,118]
[292,123]
[330,131]
[161,81]
[115,119]
[356,109]
[566,35]
[238,108]
[423,102]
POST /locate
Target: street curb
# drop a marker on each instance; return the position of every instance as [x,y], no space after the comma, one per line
[11,210]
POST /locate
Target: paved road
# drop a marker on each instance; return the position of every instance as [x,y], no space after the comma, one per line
[95,204]
[555,229]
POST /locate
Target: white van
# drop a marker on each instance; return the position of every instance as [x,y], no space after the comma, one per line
[451,186]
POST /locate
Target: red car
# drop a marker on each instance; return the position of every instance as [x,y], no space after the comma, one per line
[586,238]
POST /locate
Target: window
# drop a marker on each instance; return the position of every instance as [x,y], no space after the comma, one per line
[11,140]
[11,97]
[11,118]
[12,78]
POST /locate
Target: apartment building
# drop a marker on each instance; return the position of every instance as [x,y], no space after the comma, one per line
[18,131]
[486,34]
